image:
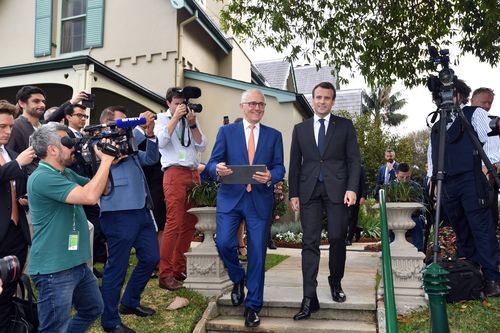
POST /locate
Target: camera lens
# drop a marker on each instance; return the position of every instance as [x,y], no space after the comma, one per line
[10,269]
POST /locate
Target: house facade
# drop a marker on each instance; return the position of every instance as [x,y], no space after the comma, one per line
[129,53]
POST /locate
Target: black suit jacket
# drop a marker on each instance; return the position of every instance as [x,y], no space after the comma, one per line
[340,163]
[11,171]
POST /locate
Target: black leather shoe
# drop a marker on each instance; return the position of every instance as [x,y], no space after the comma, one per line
[119,329]
[140,311]
[238,293]
[271,245]
[338,294]
[492,289]
[251,318]
[309,305]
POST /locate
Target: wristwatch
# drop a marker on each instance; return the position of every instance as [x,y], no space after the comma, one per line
[193,126]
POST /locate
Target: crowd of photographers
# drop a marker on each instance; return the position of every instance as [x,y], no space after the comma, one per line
[104,180]
[112,181]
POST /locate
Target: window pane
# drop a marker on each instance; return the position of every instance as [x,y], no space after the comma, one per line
[73,8]
[73,35]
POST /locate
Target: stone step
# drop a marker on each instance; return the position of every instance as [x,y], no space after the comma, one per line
[283,325]
[284,302]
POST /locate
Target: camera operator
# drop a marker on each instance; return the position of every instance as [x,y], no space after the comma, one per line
[76,118]
[127,223]
[180,140]
[14,230]
[61,244]
[466,202]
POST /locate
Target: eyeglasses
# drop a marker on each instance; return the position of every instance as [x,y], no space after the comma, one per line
[255,104]
[81,115]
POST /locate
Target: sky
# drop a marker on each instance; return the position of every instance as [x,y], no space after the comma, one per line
[419,103]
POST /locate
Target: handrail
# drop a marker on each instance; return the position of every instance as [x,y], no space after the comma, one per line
[389,299]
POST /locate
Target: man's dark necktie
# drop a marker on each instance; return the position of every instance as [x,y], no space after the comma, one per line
[321,144]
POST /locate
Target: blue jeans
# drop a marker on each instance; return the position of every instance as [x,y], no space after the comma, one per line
[76,286]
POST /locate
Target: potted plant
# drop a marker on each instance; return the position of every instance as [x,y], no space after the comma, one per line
[203,198]
[402,199]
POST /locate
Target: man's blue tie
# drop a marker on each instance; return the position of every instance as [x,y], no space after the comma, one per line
[321,144]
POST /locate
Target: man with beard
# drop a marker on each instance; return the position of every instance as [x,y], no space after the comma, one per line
[387,172]
[32,101]
[61,244]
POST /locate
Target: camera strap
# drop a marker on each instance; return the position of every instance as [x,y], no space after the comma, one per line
[182,136]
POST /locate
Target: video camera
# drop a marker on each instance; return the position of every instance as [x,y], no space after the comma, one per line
[191,92]
[10,269]
[119,132]
[442,86]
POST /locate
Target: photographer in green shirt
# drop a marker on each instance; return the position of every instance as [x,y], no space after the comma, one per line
[61,243]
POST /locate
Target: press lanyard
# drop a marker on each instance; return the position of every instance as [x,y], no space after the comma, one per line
[73,238]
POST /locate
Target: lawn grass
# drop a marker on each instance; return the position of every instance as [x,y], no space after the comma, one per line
[178,321]
[464,317]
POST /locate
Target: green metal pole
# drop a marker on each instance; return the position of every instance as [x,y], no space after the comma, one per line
[389,300]
[436,286]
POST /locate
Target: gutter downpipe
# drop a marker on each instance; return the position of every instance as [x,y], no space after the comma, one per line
[179,68]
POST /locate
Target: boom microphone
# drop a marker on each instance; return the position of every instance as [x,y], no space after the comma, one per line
[127,122]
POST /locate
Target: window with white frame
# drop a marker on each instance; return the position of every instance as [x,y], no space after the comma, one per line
[73,18]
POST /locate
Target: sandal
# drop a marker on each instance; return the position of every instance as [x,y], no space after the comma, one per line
[242,250]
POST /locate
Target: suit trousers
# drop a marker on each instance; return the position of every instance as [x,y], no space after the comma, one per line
[125,230]
[472,223]
[257,236]
[178,233]
[311,215]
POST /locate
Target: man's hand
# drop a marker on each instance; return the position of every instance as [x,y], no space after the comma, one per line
[23,201]
[150,122]
[222,170]
[362,201]
[26,156]
[262,177]
[180,112]
[191,118]
[78,97]
[350,198]
[295,204]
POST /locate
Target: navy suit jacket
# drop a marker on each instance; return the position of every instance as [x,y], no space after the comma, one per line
[11,171]
[230,147]
[381,173]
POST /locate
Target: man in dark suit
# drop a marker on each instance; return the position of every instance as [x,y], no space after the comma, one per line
[244,143]
[324,176]
[14,229]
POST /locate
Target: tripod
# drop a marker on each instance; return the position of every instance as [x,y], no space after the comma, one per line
[444,112]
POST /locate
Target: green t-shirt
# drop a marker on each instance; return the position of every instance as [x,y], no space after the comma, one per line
[52,220]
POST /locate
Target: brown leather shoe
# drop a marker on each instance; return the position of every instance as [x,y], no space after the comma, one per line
[169,283]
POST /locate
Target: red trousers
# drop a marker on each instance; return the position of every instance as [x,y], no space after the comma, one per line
[179,230]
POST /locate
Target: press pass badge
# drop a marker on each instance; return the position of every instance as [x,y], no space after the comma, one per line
[182,155]
[73,241]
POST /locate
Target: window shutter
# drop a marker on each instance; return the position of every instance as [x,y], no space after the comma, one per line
[95,23]
[43,27]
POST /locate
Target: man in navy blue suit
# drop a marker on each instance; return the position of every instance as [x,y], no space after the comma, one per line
[244,143]
[387,172]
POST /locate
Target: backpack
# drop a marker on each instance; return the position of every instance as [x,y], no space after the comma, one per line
[465,280]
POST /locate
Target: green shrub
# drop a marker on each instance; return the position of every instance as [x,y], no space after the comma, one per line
[369,220]
[203,195]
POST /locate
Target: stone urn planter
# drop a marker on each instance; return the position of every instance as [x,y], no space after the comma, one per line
[205,270]
[407,262]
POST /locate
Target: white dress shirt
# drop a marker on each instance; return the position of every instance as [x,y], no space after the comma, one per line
[317,125]
[256,131]
[171,150]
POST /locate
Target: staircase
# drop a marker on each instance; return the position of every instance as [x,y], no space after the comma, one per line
[283,295]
